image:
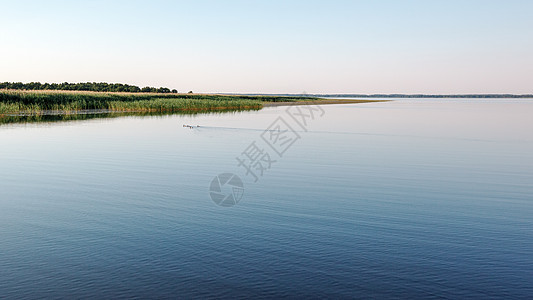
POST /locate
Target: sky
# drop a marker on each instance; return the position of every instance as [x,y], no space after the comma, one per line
[270,46]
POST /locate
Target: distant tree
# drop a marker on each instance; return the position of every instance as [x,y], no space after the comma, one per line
[190,92]
[148,89]
[84,86]
[17,85]
[133,89]
[174,91]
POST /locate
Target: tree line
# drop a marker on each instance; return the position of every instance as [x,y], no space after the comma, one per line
[84,86]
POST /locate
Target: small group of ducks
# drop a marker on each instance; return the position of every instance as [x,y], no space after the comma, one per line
[191,126]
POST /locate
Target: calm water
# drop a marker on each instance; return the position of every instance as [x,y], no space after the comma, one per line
[408,199]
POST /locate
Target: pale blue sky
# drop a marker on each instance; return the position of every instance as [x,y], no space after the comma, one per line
[273,46]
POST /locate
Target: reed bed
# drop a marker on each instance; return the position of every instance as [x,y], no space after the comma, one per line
[37,102]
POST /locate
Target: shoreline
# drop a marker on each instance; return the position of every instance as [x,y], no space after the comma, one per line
[17,102]
[199,110]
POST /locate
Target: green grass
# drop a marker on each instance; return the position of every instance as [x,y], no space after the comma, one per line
[167,105]
[38,102]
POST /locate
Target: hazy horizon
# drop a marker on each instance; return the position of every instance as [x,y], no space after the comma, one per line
[317,47]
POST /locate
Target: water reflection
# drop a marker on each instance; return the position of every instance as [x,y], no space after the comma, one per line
[51,118]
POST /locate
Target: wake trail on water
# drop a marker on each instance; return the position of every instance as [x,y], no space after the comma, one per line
[345,133]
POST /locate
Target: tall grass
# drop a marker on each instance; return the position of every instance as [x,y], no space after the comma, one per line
[164,105]
[36,102]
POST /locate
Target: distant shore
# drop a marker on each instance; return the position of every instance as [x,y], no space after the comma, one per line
[470,96]
[322,102]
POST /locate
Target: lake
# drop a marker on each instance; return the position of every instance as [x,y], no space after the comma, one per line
[405,199]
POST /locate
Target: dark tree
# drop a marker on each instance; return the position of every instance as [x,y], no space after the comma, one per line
[84,86]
